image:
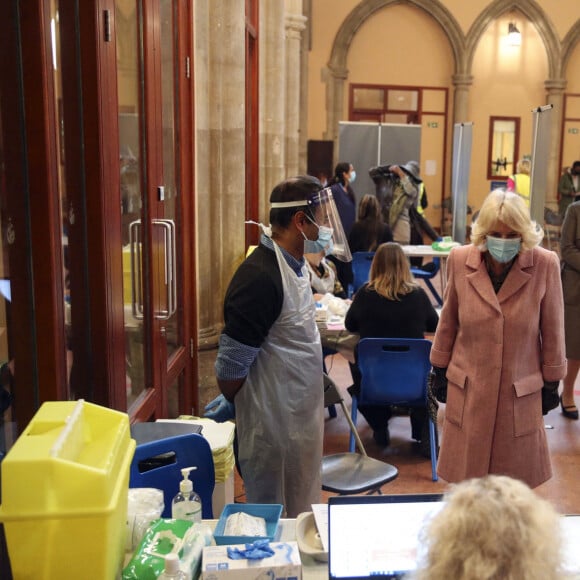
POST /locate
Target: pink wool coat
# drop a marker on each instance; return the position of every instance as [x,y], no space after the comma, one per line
[498,350]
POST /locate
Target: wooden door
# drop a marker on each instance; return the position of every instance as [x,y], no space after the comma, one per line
[154,107]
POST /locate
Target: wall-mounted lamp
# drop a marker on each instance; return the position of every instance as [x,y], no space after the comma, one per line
[514,35]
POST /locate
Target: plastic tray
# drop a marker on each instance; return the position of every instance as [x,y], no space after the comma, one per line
[270,512]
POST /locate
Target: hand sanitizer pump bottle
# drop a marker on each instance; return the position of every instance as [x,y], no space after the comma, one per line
[186,504]
[172,570]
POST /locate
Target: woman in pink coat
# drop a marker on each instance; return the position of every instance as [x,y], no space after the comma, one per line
[499,347]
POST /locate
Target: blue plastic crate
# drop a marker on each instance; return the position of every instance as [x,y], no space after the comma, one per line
[270,512]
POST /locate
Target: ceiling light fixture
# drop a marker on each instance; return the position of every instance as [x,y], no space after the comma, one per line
[514,35]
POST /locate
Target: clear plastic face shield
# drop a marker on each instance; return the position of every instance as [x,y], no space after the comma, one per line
[324,213]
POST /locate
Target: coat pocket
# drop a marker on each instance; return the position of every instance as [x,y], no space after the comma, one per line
[456,384]
[528,404]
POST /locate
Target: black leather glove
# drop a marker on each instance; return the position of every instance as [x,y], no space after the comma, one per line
[550,398]
[438,383]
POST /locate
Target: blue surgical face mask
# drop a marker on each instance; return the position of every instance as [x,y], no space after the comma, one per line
[322,243]
[503,250]
[352,176]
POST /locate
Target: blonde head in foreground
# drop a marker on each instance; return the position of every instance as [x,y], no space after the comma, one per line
[493,528]
[510,209]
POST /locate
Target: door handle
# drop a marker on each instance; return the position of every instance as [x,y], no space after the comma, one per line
[170,267]
[135,245]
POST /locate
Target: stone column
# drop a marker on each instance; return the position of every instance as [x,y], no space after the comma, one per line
[462,83]
[555,96]
[304,50]
[220,154]
[294,24]
[335,81]
[272,99]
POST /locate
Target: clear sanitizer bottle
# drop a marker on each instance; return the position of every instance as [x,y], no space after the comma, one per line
[172,569]
[186,504]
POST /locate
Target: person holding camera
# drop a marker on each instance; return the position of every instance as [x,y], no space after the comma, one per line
[397,192]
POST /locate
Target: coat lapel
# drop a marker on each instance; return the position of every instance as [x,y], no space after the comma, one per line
[479,278]
[517,276]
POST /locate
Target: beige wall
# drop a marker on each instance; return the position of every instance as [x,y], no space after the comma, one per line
[499,70]
[403,43]
[572,72]
[377,50]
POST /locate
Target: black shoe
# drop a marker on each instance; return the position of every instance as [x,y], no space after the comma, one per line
[570,412]
[382,437]
[425,448]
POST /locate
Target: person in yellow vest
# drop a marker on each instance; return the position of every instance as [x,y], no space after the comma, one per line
[520,181]
[422,203]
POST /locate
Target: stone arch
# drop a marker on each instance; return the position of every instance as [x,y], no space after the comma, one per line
[554,84]
[569,44]
[537,17]
[336,71]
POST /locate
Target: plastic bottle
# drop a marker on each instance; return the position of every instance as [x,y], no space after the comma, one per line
[186,504]
[172,569]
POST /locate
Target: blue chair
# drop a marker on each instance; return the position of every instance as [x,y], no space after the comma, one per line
[395,371]
[361,268]
[159,463]
[427,276]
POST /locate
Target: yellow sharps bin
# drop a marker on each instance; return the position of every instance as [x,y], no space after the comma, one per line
[64,493]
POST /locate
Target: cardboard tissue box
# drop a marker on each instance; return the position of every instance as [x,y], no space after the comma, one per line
[283,565]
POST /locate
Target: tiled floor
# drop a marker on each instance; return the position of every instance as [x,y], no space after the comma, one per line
[414,470]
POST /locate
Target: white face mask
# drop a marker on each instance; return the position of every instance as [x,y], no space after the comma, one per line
[352,176]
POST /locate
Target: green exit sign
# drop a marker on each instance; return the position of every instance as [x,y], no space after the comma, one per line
[433,125]
[573,130]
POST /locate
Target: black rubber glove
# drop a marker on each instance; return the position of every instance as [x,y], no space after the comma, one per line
[550,398]
[438,383]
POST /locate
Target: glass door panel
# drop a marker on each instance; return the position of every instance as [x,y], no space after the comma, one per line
[67,216]
[171,198]
[7,425]
[152,201]
[131,171]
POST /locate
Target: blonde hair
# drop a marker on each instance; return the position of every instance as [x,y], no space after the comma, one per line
[510,209]
[524,166]
[492,528]
[390,274]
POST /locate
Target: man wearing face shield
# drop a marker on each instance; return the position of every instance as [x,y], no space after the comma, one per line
[269,362]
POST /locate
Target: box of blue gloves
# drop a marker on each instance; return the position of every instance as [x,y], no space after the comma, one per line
[274,560]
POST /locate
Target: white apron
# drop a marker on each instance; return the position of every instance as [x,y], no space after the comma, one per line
[280,407]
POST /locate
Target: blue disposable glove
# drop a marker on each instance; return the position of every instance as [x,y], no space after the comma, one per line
[259,550]
[220,410]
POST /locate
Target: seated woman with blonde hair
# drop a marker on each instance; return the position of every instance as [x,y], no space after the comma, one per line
[391,305]
[492,528]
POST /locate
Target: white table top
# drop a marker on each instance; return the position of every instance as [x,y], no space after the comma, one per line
[424,251]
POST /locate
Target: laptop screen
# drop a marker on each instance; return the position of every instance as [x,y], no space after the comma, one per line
[376,536]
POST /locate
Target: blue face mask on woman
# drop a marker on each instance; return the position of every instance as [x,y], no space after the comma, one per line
[503,250]
[322,243]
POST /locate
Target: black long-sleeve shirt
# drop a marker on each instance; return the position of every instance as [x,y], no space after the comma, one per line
[374,316]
